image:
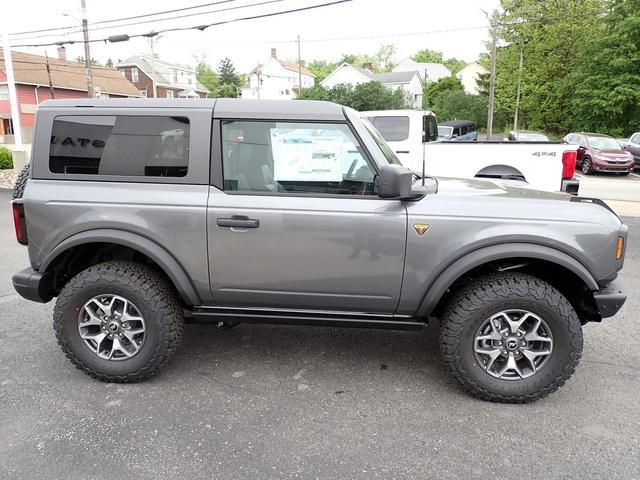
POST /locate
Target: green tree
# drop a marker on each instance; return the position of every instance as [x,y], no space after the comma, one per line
[109,63]
[229,80]
[552,36]
[457,105]
[317,92]
[454,65]
[605,84]
[435,89]
[385,57]
[321,69]
[207,77]
[428,56]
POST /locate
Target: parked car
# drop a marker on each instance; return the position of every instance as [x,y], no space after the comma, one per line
[260,220]
[542,165]
[600,153]
[457,131]
[526,136]
[632,145]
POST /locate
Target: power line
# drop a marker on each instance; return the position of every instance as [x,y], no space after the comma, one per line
[265,2]
[126,18]
[176,29]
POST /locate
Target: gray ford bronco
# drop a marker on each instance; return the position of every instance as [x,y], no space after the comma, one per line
[140,214]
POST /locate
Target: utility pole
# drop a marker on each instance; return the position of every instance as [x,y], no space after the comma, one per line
[515,116]
[87,53]
[492,78]
[299,68]
[154,89]
[11,84]
[46,60]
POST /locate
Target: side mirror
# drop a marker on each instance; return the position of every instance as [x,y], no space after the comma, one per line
[395,181]
[429,129]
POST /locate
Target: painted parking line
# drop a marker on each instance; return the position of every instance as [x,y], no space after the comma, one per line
[634,175]
[579,175]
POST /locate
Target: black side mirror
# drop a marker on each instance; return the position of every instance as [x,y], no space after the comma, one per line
[429,129]
[395,181]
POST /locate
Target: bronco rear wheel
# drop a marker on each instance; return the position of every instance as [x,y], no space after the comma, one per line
[510,338]
[118,321]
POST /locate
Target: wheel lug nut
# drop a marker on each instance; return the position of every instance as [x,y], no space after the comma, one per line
[504,352]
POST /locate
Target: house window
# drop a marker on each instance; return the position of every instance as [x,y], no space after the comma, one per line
[134,74]
[169,93]
[175,76]
[143,92]
[4,92]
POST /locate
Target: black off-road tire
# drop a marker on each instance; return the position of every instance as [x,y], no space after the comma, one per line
[154,297]
[489,295]
[21,181]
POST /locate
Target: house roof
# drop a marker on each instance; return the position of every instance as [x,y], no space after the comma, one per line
[31,69]
[161,71]
[383,77]
[394,77]
[291,66]
[432,69]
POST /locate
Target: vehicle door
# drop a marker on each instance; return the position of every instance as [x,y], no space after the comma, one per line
[581,141]
[633,146]
[294,220]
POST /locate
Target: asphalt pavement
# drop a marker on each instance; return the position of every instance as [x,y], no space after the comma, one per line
[260,402]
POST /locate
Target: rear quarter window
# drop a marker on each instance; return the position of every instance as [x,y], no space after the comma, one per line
[123,145]
[392,129]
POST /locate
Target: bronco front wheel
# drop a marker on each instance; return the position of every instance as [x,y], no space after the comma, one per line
[510,338]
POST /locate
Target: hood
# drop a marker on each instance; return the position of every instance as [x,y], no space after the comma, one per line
[474,187]
[611,152]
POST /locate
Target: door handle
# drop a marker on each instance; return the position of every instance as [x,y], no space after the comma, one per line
[238,221]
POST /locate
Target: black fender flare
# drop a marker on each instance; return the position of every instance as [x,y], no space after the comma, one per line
[151,249]
[483,255]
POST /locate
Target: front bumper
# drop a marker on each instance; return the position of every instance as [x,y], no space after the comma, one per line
[32,285]
[610,299]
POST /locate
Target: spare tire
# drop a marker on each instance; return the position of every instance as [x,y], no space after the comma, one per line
[21,181]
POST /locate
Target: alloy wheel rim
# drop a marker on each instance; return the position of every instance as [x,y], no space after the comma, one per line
[513,344]
[112,327]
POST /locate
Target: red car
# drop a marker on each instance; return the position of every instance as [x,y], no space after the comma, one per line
[600,153]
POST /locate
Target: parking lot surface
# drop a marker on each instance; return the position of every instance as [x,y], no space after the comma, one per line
[299,402]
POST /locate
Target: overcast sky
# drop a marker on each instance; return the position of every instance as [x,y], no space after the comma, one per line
[457,28]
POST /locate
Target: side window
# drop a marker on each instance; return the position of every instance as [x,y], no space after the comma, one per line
[635,138]
[292,157]
[120,145]
[582,141]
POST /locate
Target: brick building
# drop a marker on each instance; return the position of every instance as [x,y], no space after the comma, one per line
[170,80]
[67,78]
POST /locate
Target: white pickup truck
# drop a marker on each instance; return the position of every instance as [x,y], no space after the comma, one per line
[548,166]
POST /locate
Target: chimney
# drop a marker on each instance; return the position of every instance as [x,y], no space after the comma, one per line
[368,66]
[273,53]
[62,52]
[303,63]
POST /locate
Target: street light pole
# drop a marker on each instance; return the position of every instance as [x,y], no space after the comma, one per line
[11,85]
[299,68]
[87,53]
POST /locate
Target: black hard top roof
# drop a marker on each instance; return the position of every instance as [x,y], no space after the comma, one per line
[457,123]
[222,107]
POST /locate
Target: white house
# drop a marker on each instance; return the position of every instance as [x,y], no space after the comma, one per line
[276,79]
[469,77]
[409,81]
[429,72]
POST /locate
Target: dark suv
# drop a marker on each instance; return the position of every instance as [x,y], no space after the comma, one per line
[600,153]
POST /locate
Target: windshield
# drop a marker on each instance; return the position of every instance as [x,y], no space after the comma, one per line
[532,137]
[445,132]
[384,148]
[392,129]
[603,143]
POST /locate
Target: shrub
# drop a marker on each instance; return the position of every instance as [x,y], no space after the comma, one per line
[6,160]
